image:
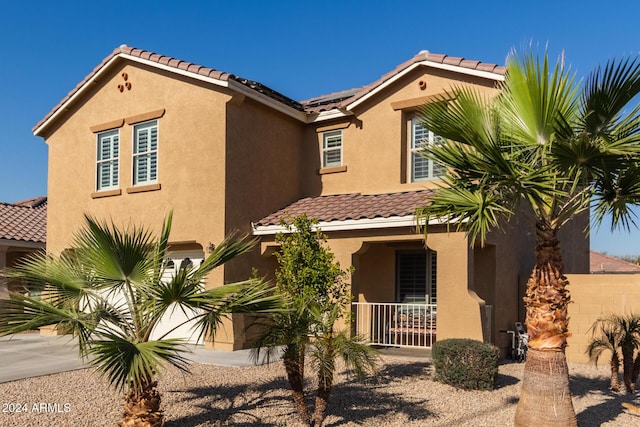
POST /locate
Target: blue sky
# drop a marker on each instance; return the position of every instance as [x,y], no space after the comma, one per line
[299,48]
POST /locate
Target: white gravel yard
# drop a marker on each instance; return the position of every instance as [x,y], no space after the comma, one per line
[258,395]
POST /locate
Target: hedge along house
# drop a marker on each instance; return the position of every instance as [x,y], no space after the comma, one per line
[147,133]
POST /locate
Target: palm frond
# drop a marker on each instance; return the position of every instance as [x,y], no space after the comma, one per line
[115,256]
[607,91]
[251,296]
[475,211]
[128,364]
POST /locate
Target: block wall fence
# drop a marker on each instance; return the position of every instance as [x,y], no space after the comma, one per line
[594,296]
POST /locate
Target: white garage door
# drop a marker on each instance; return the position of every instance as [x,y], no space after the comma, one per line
[172,320]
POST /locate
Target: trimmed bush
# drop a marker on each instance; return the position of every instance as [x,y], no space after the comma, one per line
[466,364]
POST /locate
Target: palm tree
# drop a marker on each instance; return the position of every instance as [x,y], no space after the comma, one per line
[544,148]
[628,328]
[110,294]
[327,346]
[287,335]
[605,337]
[312,285]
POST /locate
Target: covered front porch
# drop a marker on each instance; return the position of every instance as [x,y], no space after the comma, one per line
[406,294]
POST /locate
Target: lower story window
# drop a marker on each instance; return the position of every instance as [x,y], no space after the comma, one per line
[416,276]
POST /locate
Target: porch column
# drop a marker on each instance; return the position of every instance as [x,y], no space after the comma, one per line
[459,307]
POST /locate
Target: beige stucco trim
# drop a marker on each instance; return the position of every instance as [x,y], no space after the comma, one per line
[333,127]
[349,224]
[143,117]
[107,193]
[143,188]
[417,102]
[334,169]
[113,124]
[456,69]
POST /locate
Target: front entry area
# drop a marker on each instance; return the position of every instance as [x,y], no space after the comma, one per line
[407,316]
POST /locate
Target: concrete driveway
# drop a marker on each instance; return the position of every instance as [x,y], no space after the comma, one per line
[32,355]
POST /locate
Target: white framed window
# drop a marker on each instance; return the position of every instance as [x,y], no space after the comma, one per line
[421,168]
[332,149]
[145,153]
[107,160]
[416,276]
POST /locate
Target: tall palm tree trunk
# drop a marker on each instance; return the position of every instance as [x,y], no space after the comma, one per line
[546,377]
[142,407]
[294,366]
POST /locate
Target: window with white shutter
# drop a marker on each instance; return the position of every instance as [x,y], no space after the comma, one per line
[422,168]
[107,160]
[145,153]
[332,149]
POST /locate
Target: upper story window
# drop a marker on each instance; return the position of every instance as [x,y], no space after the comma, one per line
[108,160]
[332,149]
[422,168]
[145,153]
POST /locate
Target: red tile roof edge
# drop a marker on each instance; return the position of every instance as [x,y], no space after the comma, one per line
[420,57]
[260,88]
[600,263]
[351,206]
[24,221]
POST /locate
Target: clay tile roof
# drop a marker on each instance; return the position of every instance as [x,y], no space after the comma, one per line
[601,263]
[25,220]
[174,63]
[355,206]
[335,100]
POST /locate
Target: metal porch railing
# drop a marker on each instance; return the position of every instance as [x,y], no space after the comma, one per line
[396,324]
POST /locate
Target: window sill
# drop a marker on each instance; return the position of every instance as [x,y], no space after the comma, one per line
[334,169]
[143,188]
[107,193]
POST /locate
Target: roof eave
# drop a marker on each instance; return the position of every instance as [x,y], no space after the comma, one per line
[39,130]
[350,224]
[22,243]
[269,102]
[454,68]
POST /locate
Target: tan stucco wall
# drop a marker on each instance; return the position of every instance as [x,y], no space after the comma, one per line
[222,162]
[191,137]
[593,296]
[375,143]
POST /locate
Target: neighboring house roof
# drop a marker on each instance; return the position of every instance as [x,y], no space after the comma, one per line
[24,221]
[350,211]
[601,263]
[308,110]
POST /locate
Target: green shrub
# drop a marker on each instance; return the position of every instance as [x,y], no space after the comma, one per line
[466,364]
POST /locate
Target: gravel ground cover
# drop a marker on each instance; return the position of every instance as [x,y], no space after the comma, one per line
[405,395]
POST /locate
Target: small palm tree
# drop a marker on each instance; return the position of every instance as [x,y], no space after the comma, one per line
[615,332]
[605,337]
[110,294]
[312,285]
[628,327]
[329,345]
[544,149]
[286,335]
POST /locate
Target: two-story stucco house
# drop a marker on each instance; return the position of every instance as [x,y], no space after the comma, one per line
[144,133]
